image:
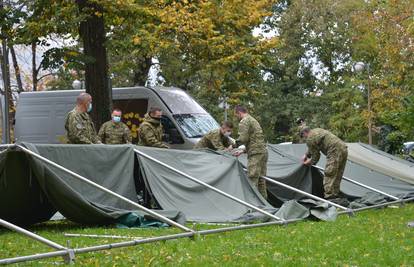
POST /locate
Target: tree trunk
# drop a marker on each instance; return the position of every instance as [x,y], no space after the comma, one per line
[35,70]
[16,69]
[92,32]
[141,71]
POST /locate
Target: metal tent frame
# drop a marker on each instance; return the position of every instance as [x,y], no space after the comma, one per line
[69,254]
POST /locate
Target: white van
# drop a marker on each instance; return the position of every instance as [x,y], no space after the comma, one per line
[40,116]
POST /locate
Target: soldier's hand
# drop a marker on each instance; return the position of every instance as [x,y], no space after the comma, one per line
[304,158]
[237,153]
[308,162]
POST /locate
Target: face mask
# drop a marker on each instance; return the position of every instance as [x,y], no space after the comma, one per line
[89,107]
[116,118]
[227,134]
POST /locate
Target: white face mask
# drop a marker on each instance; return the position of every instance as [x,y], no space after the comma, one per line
[227,134]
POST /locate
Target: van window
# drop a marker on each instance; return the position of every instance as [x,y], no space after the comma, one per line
[171,133]
[180,102]
[133,112]
[196,125]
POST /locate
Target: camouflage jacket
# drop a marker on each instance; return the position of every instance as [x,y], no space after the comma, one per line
[320,140]
[80,129]
[150,133]
[214,140]
[251,135]
[114,133]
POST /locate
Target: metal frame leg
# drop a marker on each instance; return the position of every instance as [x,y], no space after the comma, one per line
[67,254]
[363,185]
[142,208]
[350,211]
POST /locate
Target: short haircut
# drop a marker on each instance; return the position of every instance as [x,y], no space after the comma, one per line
[304,130]
[152,110]
[240,108]
[228,124]
[117,110]
[82,97]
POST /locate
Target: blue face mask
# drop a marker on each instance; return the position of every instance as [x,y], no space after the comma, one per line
[89,107]
[116,118]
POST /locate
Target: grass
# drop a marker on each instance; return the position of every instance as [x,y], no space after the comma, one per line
[371,238]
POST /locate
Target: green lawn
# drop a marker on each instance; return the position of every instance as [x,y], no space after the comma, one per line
[372,238]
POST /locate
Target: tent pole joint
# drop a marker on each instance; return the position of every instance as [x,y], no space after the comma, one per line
[69,258]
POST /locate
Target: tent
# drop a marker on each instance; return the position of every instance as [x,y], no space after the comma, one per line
[99,184]
[365,165]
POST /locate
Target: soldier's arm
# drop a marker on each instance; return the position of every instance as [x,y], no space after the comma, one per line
[313,153]
[101,133]
[217,144]
[149,138]
[79,131]
[127,135]
[243,134]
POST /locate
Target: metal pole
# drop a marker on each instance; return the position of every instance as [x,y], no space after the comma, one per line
[369,106]
[381,205]
[152,213]
[104,236]
[209,186]
[143,241]
[6,78]
[31,235]
[363,185]
[306,194]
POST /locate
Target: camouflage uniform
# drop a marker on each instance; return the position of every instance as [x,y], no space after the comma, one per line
[320,140]
[295,132]
[80,129]
[150,133]
[214,140]
[251,135]
[114,133]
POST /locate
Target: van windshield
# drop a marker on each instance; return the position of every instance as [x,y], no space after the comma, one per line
[196,125]
[180,102]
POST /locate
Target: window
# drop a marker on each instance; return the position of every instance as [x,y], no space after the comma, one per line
[196,125]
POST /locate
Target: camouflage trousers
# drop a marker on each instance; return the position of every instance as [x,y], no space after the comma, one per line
[334,170]
[256,167]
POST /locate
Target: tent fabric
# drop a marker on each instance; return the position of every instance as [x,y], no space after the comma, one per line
[381,162]
[198,203]
[289,170]
[38,190]
[356,170]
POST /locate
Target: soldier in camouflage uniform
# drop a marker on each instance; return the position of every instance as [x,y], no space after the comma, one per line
[336,152]
[150,131]
[296,139]
[79,126]
[217,139]
[251,135]
[115,131]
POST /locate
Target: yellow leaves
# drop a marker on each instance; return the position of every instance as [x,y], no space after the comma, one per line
[136,40]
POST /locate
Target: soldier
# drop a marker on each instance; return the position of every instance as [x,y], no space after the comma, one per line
[300,123]
[336,152]
[79,126]
[251,135]
[150,131]
[115,131]
[218,139]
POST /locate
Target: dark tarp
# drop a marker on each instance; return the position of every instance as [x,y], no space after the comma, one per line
[198,203]
[288,170]
[32,191]
[358,172]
